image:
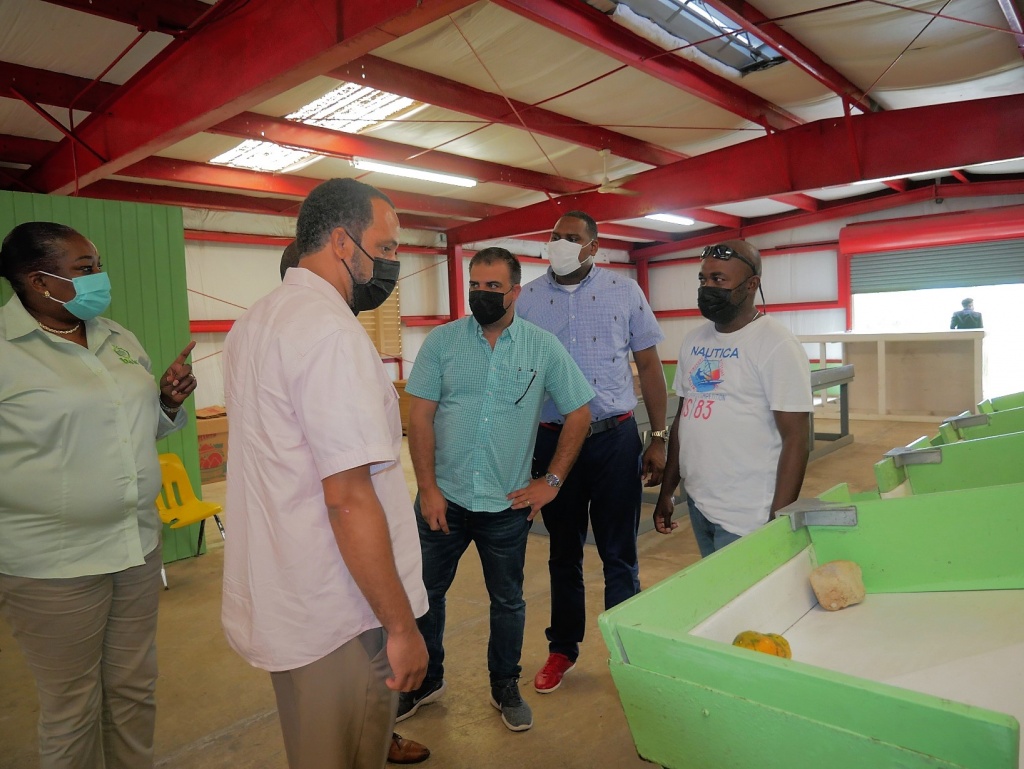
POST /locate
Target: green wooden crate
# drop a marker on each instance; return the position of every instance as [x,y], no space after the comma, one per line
[694,701]
[925,469]
[968,427]
[1002,403]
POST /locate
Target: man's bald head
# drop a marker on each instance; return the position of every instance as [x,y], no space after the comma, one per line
[747,251]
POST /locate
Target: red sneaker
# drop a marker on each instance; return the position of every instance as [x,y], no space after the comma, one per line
[550,676]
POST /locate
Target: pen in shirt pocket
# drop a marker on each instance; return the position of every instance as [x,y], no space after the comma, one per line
[533,375]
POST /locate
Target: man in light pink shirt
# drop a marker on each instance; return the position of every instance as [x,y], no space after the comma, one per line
[322,572]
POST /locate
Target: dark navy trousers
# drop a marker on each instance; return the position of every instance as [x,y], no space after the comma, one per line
[603,489]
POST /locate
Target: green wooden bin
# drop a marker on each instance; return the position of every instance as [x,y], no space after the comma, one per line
[967,427]
[1002,403]
[925,469]
[694,701]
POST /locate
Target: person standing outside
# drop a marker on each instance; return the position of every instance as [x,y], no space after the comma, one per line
[967,318]
[600,317]
[80,556]
[477,387]
[322,569]
[740,438]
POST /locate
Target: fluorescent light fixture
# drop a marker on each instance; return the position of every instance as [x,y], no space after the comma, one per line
[412,173]
[685,221]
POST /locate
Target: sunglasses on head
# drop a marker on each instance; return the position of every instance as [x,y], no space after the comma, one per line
[725,253]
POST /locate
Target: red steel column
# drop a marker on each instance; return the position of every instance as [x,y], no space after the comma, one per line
[456,294]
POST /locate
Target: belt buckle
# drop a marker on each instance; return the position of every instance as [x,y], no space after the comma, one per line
[590,431]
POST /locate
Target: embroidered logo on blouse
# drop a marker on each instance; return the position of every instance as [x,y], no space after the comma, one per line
[124,355]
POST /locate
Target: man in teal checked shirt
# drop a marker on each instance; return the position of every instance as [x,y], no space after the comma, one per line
[477,389]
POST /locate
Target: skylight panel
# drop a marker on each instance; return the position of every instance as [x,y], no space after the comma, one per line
[708,31]
[351,108]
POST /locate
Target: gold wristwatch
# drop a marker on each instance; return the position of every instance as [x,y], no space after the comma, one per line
[663,434]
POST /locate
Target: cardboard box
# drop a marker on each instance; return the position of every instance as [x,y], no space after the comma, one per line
[212,427]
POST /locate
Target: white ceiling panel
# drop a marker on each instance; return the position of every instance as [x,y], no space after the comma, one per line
[47,36]
[1009,81]
[753,208]
[866,41]
[633,103]
[487,47]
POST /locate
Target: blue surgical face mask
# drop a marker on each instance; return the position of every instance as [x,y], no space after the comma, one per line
[92,294]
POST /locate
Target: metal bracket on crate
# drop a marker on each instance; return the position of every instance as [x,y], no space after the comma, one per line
[973,420]
[815,512]
[904,455]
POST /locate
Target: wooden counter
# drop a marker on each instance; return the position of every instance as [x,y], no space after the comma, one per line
[910,377]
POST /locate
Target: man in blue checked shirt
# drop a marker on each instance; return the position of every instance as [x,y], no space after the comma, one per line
[600,317]
[477,389]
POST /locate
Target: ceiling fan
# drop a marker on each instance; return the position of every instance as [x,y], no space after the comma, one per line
[613,187]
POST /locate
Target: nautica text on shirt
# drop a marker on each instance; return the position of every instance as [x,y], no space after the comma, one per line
[716,353]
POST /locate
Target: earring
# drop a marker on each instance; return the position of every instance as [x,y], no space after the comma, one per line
[46,294]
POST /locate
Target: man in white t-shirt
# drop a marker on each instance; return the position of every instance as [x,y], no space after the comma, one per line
[322,569]
[740,437]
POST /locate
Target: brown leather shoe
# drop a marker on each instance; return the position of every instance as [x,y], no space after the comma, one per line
[403,751]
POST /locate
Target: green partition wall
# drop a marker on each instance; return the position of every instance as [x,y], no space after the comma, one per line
[143,251]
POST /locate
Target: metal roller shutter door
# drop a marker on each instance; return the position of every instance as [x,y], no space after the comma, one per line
[973,264]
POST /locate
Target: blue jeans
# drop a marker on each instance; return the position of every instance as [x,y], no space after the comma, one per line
[501,542]
[603,490]
[710,536]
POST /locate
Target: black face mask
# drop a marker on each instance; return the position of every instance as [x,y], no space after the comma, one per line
[374,292]
[487,306]
[716,304]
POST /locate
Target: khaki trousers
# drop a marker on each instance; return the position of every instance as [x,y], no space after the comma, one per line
[90,643]
[337,712]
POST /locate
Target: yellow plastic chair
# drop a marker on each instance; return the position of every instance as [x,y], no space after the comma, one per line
[178,505]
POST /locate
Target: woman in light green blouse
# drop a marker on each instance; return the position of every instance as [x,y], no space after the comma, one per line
[80,414]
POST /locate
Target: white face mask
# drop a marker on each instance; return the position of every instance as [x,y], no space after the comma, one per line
[564,256]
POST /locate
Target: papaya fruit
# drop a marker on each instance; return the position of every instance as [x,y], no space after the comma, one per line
[767,643]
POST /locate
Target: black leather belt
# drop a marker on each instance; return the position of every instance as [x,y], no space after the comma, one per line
[596,427]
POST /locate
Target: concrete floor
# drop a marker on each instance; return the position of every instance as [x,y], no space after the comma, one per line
[215,711]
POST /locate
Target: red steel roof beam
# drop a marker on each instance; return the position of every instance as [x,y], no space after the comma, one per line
[250,125]
[265,49]
[188,172]
[164,195]
[21,149]
[708,216]
[167,16]
[798,200]
[747,17]
[887,144]
[449,94]
[52,88]
[838,209]
[636,234]
[595,30]
[112,189]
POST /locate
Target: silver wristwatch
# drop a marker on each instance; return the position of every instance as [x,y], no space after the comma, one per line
[553,481]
